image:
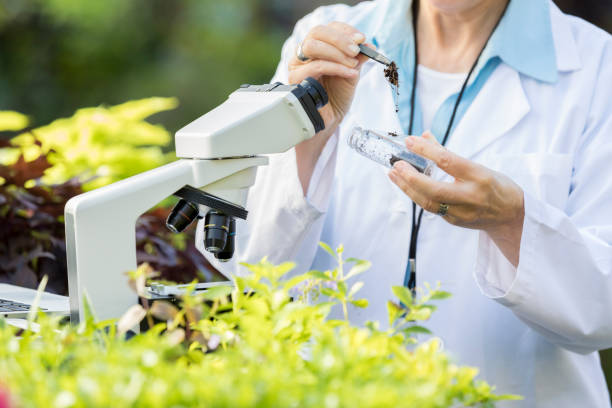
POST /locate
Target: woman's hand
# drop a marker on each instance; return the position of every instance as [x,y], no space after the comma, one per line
[479,198]
[333,60]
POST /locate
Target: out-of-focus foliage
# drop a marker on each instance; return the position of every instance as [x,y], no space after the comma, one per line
[10,120]
[70,53]
[244,346]
[41,169]
[31,225]
[100,144]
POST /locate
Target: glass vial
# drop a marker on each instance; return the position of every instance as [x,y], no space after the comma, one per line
[379,146]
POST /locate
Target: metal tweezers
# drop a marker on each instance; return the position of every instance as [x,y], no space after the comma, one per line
[375,55]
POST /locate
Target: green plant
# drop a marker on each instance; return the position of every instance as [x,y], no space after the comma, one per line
[98,145]
[242,346]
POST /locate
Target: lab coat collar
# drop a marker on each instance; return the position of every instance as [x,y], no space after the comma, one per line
[531,37]
[566,49]
[524,40]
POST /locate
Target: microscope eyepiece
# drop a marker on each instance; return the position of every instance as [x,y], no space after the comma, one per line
[182,215]
[316,91]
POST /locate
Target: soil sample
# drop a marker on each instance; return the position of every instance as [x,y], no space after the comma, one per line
[392,76]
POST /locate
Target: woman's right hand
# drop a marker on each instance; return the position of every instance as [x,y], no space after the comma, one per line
[333,60]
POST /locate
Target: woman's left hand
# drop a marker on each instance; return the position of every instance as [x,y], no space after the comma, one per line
[479,198]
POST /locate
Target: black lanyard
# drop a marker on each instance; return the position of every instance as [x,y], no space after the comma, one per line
[410,275]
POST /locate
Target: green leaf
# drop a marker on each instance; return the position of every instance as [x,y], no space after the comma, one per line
[419,314]
[281,270]
[358,268]
[11,120]
[217,292]
[296,280]
[328,292]
[355,288]
[88,312]
[35,304]
[416,330]
[342,287]
[319,275]
[439,295]
[393,312]
[328,249]
[325,307]
[362,303]
[403,294]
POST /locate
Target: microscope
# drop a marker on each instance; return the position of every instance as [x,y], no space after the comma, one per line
[218,158]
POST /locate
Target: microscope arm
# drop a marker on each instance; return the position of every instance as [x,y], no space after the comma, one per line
[101,225]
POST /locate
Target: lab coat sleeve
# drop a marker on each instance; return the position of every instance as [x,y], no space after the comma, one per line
[563,284]
[283,223]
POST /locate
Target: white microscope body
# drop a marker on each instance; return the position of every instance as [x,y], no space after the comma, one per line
[218,154]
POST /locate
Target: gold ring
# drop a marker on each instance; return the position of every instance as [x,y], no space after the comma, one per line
[442,209]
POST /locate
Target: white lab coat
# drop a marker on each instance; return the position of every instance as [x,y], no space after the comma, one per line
[532,330]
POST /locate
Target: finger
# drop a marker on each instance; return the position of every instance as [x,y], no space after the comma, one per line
[338,39]
[415,196]
[357,36]
[319,68]
[345,28]
[363,58]
[449,162]
[455,212]
[317,49]
[431,138]
[426,190]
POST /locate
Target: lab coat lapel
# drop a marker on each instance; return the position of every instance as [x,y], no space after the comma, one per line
[498,107]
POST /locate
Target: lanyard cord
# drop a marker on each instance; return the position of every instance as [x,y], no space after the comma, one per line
[410,276]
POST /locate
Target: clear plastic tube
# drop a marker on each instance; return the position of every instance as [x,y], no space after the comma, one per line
[382,149]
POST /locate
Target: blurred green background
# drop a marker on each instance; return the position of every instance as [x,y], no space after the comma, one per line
[60,55]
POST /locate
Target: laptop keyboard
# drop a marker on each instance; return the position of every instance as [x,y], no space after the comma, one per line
[10,306]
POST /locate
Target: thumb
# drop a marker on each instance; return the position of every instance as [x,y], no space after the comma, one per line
[427,135]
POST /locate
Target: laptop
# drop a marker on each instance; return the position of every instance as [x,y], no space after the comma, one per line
[15,302]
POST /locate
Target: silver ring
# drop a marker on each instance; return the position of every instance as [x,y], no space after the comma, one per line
[300,55]
[442,209]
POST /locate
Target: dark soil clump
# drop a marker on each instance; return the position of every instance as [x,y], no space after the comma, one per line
[392,76]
